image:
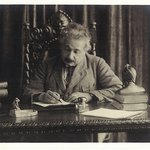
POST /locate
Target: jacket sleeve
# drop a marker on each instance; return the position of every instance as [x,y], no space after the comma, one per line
[108,82]
[36,85]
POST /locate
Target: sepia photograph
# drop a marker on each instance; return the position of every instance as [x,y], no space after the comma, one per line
[74,73]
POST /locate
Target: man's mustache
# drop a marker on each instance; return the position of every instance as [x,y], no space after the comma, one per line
[69,60]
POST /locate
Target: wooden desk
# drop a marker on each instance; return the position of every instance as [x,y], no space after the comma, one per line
[62,122]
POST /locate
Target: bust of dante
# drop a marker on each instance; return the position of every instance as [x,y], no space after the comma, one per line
[129,77]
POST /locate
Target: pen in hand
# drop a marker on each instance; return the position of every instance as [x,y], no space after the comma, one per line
[62,101]
[56,96]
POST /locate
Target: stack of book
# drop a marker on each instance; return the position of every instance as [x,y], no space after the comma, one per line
[134,101]
[3,92]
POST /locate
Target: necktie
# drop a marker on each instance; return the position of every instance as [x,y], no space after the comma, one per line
[68,72]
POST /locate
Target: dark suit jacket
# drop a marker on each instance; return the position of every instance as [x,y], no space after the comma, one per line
[92,75]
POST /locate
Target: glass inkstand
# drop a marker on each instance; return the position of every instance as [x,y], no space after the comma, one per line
[81,105]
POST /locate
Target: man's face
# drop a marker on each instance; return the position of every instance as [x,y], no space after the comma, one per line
[73,51]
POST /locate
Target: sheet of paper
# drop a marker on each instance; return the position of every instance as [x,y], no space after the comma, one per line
[47,105]
[112,114]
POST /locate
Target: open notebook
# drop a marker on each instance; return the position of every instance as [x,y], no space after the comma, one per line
[113,114]
[45,106]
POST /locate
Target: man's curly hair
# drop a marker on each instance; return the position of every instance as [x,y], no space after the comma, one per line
[77,32]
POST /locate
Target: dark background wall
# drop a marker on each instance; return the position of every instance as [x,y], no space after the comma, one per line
[11,21]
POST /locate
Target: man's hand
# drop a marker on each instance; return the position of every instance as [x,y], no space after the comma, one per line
[54,95]
[49,97]
[74,97]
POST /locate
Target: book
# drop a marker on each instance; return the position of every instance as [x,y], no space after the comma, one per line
[3,93]
[130,106]
[113,114]
[3,85]
[0,105]
[141,97]
[59,106]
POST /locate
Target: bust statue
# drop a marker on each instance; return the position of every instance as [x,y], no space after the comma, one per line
[129,77]
[15,104]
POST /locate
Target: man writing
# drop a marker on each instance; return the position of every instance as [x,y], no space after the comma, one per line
[74,73]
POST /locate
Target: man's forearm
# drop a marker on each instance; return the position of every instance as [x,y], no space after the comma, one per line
[107,93]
